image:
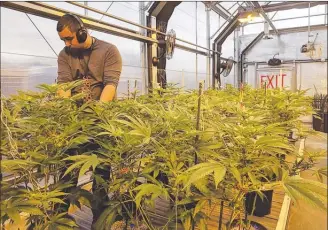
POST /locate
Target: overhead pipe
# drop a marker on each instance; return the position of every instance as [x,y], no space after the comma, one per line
[135,24]
[217,46]
[250,45]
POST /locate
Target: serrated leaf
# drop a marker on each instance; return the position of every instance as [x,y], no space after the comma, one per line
[148,189]
[73,166]
[31,210]
[253,179]
[187,223]
[219,174]
[236,174]
[56,200]
[199,206]
[76,158]
[13,214]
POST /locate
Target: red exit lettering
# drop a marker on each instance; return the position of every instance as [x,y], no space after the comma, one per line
[269,79]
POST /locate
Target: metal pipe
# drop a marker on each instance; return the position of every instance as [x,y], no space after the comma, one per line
[196,42]
[283,19]
[85,10]
[289,61]
[242,55]
[143,55]
[47,11]
[309,15]
[257,4]
[208,41]
[133,23]
[233,6]
[326,9]
[224,24]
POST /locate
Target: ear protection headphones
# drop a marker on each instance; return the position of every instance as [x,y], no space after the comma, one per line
[81,33]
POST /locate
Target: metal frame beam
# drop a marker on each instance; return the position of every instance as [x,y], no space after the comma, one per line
[284,19]
[217,46]
[224,9]
[290,5]
[159,15]
[258,6]
[242,55]
[218,9]
[50,12]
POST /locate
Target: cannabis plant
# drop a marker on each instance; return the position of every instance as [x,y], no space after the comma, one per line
[188,149]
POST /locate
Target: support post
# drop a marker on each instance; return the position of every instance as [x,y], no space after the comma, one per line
[196,43]
[152,52]
[208,42]
[85,10]
[238,68]
[143,48]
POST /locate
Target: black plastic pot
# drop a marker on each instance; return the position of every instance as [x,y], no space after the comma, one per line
[254,225]
[320,125]
[262,207]
[325,122]
[316,123]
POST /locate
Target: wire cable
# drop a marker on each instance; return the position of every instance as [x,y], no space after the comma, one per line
[41,34]
[103,14]
[29,55]
[126,65]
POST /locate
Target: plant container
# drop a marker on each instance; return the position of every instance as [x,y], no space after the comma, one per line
[253,225]
[320,125]
[262,207]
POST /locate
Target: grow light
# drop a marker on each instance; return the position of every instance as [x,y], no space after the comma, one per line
[248,16]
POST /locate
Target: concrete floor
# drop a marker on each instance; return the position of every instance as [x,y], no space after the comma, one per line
[305,217]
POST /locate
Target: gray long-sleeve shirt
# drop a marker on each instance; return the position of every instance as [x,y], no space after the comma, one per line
[104,66]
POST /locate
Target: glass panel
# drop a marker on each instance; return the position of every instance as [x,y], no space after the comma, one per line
[254,28]
[291,13]
[227,5]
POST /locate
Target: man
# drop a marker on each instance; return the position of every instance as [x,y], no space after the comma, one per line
[99,65]
[97,62]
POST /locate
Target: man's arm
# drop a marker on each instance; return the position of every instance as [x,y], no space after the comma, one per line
[64,74]
[108,93]
[112,73]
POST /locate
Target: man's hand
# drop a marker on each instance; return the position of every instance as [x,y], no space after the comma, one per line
[108,93]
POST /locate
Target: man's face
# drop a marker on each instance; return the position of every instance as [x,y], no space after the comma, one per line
[70,38]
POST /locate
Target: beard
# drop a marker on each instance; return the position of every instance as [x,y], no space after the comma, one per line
[75,52]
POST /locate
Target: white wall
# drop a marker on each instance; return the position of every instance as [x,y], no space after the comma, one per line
[287,45]
[305,74]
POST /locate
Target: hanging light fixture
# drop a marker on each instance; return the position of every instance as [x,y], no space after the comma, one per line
[248,15]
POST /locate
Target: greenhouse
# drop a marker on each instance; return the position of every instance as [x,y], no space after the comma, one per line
[164,115]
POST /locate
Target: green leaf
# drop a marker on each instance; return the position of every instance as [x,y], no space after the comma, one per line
[199,206]
[107,217]
[76,158]
[73,166]
[148,189]
[219,174]
[91,161]
[236,174]
[56,200]
[203,170]
[253,179]
[187,223]
[312,192]
[13,214]
[31,210]
[67,222]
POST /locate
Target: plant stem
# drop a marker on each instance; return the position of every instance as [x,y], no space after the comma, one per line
[221,214]
[198,114]
[234,210]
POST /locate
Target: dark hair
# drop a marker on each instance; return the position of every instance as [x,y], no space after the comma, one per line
[68,21]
